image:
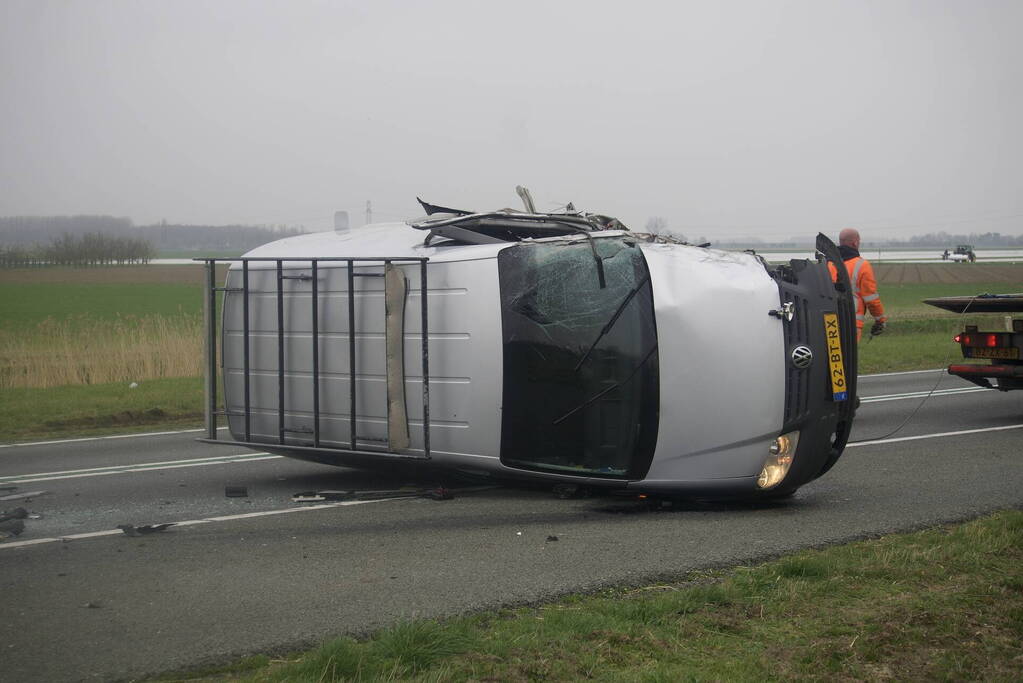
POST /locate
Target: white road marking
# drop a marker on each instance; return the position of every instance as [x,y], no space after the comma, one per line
[193,522]
[102,438]
[904,372]
[139,467]
[934,436]
[921,394]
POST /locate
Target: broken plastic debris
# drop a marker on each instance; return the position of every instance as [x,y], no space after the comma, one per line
[566,491]
[132,530]
[308,497]
[439,493]
[16,513]
[11,527]
[22,496]
[436,493]
[552,538]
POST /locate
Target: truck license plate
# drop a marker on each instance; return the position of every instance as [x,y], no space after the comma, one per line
[980,352]
[839,388]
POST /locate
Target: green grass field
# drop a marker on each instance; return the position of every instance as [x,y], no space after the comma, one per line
[82,410]
[942,604]
[904,300]
[25,305]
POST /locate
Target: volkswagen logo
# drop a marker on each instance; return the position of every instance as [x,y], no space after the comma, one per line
[802,357]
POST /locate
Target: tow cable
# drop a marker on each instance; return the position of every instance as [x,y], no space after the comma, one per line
[941,375]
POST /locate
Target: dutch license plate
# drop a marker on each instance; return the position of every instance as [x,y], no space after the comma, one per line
[836,365]
[975,352]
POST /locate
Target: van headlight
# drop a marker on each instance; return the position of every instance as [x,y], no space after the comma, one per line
[778,461]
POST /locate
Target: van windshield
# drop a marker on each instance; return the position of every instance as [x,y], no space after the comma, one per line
[580,360]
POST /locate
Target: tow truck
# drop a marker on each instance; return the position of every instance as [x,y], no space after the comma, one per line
[1004,348]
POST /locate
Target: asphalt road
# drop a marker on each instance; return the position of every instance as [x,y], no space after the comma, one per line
[82,600]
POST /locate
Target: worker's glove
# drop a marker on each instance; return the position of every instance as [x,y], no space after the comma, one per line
[878,327]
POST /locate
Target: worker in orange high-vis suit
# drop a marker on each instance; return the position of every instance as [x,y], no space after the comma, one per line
[864,285]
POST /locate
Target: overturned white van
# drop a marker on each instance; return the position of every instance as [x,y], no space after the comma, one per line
[555,346]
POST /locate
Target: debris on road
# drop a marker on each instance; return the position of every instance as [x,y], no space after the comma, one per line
[16,513]
[321,496]
[11,528]
[23,496]
[132,530]
[236,491]
[435,493]
[440,493]
[566,491]
[11,523]
[551,538]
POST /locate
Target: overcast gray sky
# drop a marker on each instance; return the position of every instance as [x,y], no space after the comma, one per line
[728,119]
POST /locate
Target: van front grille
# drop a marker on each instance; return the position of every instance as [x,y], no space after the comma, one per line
[797,382]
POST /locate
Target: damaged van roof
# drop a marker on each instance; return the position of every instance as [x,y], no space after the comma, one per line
[508,225]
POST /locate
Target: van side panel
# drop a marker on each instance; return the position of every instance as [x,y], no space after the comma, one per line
[465,372]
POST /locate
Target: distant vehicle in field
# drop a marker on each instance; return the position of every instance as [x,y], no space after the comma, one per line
[550,346]
[962,253]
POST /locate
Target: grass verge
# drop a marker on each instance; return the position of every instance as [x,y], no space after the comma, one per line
[906,300]
[85,350]
[25,305]
[84,410]
[917,343]
[942,604]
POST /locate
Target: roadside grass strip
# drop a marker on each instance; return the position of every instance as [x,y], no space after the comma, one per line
[79,410]
[945,603]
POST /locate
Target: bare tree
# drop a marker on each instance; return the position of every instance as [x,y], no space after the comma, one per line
[656,225]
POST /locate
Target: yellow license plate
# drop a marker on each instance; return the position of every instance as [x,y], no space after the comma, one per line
[839,388]
[975,352]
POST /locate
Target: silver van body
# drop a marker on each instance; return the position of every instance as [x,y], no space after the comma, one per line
[601,358]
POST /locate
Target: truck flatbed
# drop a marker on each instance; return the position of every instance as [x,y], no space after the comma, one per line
[983,303]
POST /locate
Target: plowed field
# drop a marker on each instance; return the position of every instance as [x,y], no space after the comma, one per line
[949,273]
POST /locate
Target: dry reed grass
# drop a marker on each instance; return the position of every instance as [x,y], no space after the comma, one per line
[84,350]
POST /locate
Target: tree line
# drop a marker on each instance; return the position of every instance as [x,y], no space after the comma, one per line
[986,239]
[30,230]
[90,249]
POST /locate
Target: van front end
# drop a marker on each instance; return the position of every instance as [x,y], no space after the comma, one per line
[821,369]
[758,372]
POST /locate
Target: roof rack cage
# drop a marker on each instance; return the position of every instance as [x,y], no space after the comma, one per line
[356,445]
